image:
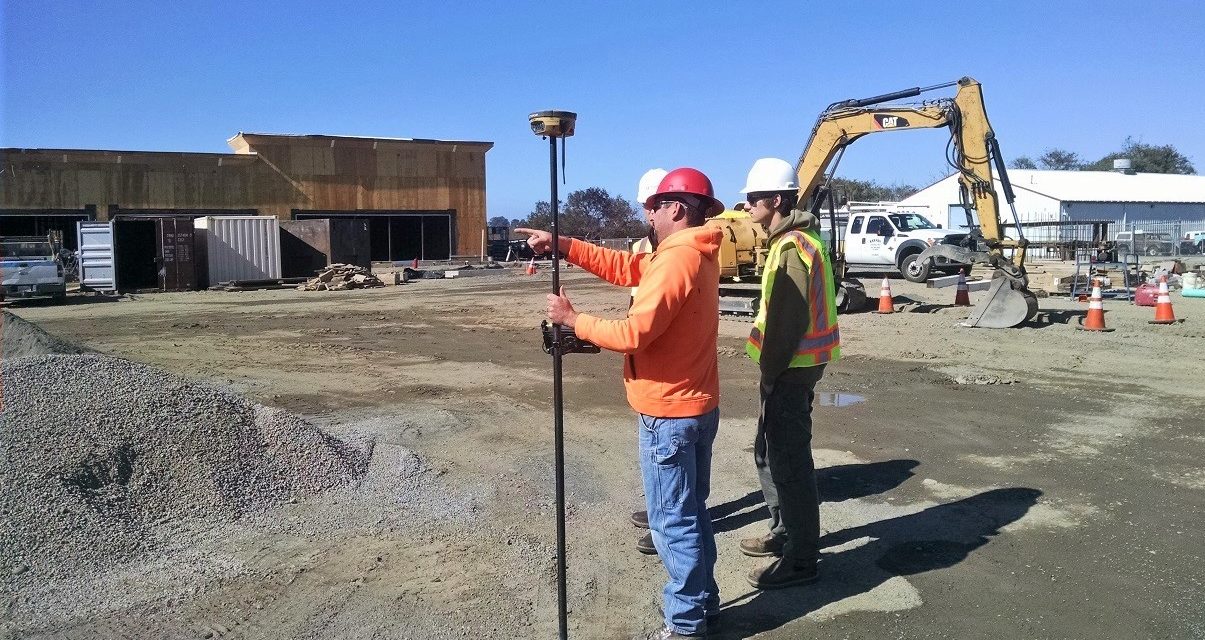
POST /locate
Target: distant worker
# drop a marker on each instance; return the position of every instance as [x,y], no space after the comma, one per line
[794,336]
[644,189]
[671,375]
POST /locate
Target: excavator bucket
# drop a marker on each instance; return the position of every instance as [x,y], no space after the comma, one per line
[1003,307]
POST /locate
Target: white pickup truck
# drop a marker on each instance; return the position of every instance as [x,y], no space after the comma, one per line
[881,241]
[30,267]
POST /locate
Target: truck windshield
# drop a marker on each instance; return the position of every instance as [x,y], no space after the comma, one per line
[16,249]
[910,221]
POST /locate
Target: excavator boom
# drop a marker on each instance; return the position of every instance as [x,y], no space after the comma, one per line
[975,150]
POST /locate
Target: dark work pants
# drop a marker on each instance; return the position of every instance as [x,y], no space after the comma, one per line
[783,455]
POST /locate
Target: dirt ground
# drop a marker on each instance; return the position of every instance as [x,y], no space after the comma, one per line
[1039,482]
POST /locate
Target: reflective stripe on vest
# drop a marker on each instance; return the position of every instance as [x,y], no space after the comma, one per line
[821,341]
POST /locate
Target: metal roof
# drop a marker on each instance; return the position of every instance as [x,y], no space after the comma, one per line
[1110,186]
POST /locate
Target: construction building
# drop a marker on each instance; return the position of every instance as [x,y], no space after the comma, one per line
[419,198]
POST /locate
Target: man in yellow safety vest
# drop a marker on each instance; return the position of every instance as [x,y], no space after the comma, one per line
[794,336]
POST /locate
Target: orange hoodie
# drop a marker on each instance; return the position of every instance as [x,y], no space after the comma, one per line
[669,336]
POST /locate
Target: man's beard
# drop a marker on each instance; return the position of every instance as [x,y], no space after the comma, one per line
[652,236]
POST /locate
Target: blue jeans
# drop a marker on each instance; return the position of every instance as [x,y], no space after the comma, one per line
[675,462]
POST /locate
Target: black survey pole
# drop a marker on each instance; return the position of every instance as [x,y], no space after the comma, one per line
[557,342]
[558,410]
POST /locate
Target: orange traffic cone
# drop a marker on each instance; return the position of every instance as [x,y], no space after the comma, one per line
[962,298]
[1095,320]
[1163,305]
[885,303]
[531,267]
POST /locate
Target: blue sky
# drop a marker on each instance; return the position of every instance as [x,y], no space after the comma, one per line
[706,84]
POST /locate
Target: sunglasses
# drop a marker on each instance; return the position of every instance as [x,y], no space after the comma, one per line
[754,198]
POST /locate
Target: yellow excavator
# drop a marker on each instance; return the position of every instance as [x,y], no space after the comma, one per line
[972,151]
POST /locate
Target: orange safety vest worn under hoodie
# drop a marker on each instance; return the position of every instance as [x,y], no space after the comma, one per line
[669,337]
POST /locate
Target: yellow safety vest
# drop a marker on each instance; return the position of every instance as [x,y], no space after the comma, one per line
[821,342]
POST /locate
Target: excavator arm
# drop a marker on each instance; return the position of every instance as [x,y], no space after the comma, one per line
[974,151]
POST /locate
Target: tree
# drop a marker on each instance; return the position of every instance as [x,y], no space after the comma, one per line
[539,218]
[1146,158]
[1054,159]
[847,189]
[499,221]
[1060,160]
[590,213]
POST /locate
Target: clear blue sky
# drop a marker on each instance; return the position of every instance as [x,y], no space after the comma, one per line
[714,85]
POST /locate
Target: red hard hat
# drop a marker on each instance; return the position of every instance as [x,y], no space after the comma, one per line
[688,181]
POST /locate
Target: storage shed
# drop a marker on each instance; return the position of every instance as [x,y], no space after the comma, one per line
[1121,198]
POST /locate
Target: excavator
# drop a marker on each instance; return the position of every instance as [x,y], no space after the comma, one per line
[972,151]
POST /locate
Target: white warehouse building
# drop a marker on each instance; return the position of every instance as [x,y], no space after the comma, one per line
[1127,200]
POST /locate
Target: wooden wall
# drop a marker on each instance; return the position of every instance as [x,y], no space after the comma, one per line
[274,174]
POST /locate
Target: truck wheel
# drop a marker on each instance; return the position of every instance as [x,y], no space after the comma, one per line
[914,271]
[1152,251]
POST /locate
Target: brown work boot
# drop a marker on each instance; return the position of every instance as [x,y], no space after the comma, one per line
[640,519]
[645,544]
[767,545]
[782,573]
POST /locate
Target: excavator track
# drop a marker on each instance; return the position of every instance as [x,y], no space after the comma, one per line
[740,299]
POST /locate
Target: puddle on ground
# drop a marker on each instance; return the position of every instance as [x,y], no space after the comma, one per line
[838,398]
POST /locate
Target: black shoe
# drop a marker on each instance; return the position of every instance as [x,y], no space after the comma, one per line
[640,519]
[781,574]
[645,544]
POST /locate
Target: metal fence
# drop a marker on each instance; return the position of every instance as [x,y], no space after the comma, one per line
[1065,239]
[1161,237]
[1062,239]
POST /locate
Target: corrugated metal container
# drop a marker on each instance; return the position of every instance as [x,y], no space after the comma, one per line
[154,252]
[239,247]
[307,246]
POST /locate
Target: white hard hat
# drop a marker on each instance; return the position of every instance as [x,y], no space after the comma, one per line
[648,184]
[771,174]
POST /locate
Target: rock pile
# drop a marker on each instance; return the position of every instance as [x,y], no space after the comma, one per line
[338,277]
[102,459]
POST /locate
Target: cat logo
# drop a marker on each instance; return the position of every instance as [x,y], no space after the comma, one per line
[883,121]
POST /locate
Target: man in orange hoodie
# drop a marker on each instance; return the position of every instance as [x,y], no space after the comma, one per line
[671,377]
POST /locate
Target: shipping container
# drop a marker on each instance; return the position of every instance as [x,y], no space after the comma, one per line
[95,242]
[308,246]
[238,248]
[154,252]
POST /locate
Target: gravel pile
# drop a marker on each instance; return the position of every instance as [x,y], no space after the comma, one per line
[102,459]
[19,338]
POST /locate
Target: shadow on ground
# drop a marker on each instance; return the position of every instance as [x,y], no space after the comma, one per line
[836,484]
[936,538]
[1050,318]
